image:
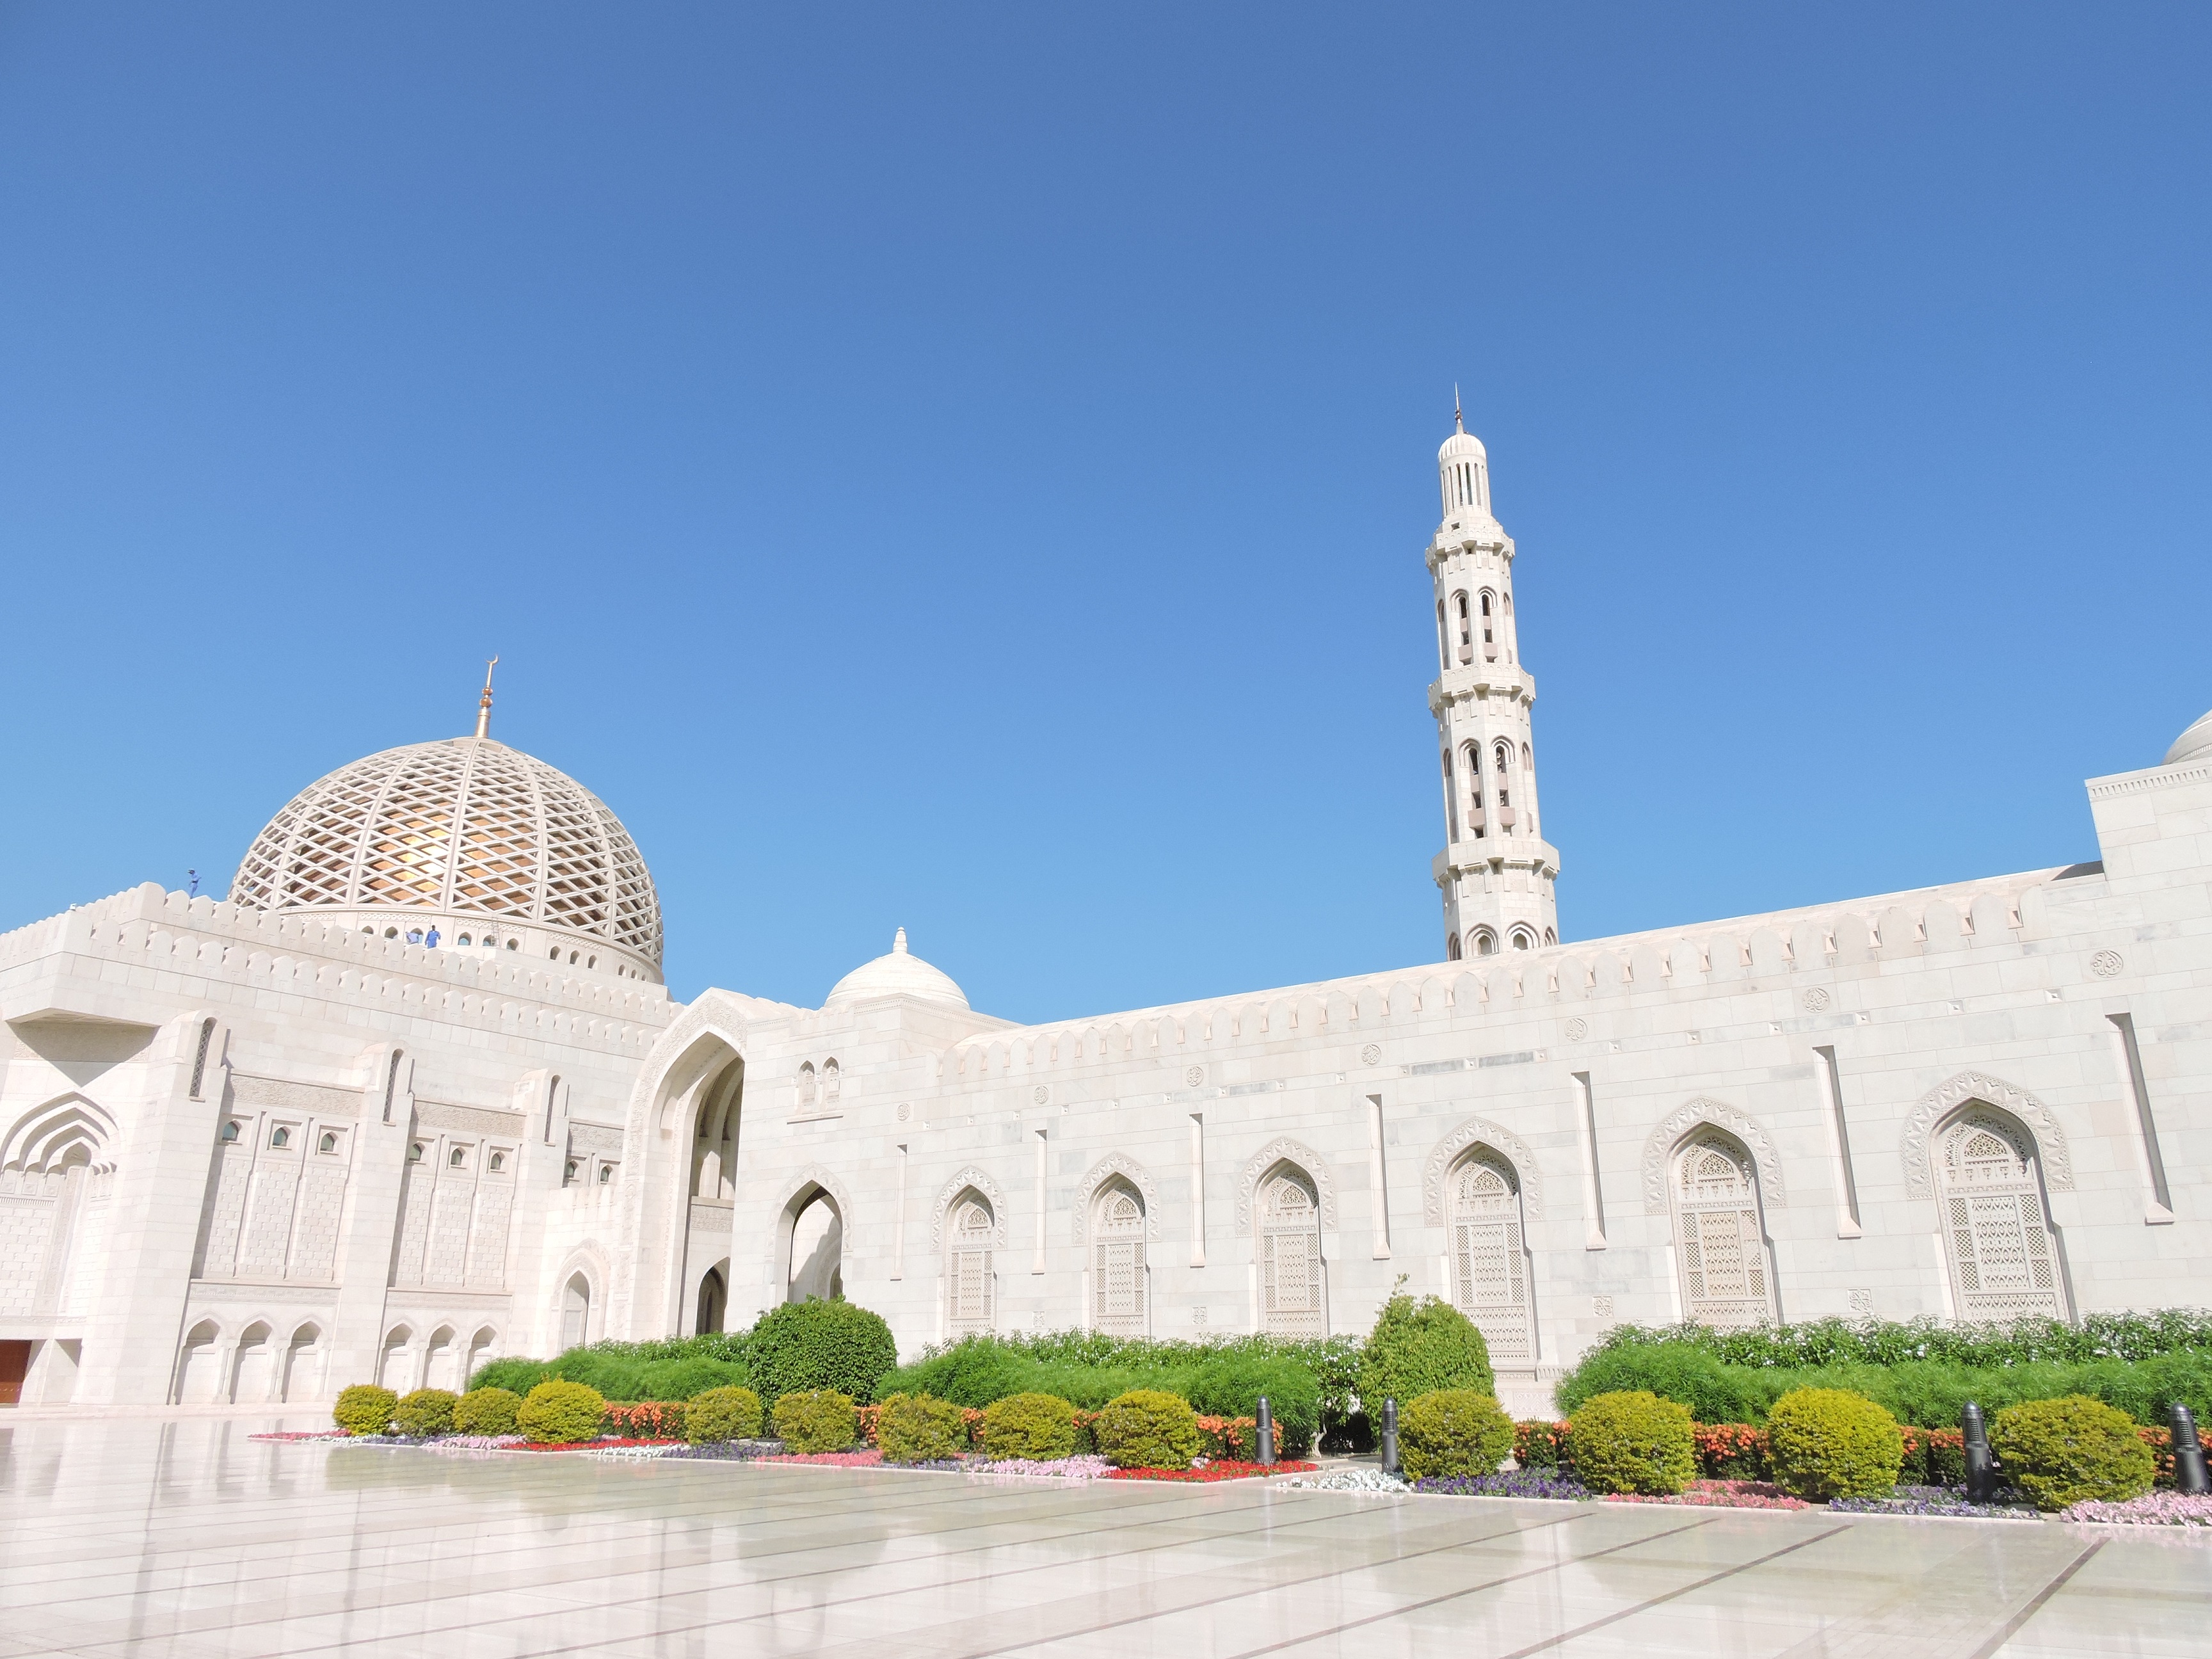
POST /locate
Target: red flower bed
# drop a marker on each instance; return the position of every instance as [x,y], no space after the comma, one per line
[1540,1445]
[662,1420]
[1219,1469]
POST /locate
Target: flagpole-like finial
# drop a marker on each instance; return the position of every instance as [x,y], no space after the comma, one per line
[483,703]
[1459,421]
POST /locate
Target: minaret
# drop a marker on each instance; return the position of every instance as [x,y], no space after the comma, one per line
[1496,871]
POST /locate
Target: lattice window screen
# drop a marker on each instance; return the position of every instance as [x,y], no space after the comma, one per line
[1290,1259]
[1117,1267]
[1725,1281]
[1490,1271]
[2004,1263]
[968,1278]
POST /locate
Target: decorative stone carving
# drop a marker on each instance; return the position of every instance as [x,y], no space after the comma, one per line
[1601,1306]
[1941,1102]
[1194,1076]
[1041,1095]
[312,1099]
[1371,1055]
[1659,1145]
[1815,1000]
[1105,1170]
[1280,1149]
[1478,1131]
[474,1119]
[710,1218]
[970,1176]
[2105,964]
[1578,1029]
[595,1139]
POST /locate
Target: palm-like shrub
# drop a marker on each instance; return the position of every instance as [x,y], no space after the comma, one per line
[732,1413]
[816,1420]
[364,1408]
[1633,1442]
[425,1412]
[2064,1451]
[486,1411]
[1147,1429]
[1040,1426]
[1453,1431]
[912,1428]
[1830,1443]
[559,1413]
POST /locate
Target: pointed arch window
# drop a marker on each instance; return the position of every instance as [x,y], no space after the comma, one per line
[1726,1279]
[1489,629]
[575,1311]
[1292,1297]
[1476,822]
[806,1083]
[1490,1262]
[2004,1260]
[1451,949]
[1119,1282]
[969,1280]
[1466,628]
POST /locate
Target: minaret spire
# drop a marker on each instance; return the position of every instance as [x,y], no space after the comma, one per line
[483,703]
[1497,872]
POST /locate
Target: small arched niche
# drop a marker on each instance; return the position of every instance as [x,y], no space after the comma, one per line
[1287,1215]
[2004,1254]
[1490,1272]
[970,1273]
[1720,1231]
[1120,1285]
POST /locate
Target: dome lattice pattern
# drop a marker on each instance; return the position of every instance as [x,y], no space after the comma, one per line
[462,825]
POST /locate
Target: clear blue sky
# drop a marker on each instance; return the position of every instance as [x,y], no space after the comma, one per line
[969,469]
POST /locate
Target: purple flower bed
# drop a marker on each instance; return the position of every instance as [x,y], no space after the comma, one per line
[1517,1483]
[1932,1500]
[2157,1508]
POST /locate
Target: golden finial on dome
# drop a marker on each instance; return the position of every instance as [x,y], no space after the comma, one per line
[483,705]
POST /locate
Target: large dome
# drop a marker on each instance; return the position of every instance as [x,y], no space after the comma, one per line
[463,827]
[2195,743]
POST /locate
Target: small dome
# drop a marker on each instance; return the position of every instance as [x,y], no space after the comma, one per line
[898,975]
[2195,743]
[1460,447]
[464,826]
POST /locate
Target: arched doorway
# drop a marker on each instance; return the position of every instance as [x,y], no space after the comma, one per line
[254,1375]
[393,1371]
[198,1366]
[303,1365]
[714,1301]
[818,1251]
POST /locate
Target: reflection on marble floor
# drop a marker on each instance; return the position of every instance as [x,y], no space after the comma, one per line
[189,1539]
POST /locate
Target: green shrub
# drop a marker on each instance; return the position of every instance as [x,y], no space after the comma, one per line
[915,1429]
[486,1411]
[803,1346]
[1147,1429]
[560,1414]
[364,1409]
[2063,1451]
[2029,1340]
[1690,1375]
[1633,1442]
[691,1376]
[1041,1426]
[425,1412]
[1417,1347]
[1453,1431]
[730,1413]
[816,1419]
[516,1377]
[1829,1442]
[1230,1386]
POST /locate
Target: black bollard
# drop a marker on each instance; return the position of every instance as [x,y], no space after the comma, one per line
[1264,1431]
[1981,1462]
[2189,1472]
[1390,1436]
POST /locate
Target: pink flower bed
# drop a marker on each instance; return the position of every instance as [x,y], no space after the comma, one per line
[1722,1495]
[851,1460]
[2157,1508]
[1064,1469]
[1221,1468]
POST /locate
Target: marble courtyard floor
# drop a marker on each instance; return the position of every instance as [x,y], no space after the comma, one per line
[189,1539]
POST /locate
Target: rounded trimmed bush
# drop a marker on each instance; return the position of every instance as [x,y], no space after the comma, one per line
[1830,1443]
[1419,1348]
[425,1412]
[803,1346]
[1453,1431]
[1147,1429]
[364,1408]
[559,1413]
[816,1420]
[486,1411]
[914,1428]
[1039,1426]
[2064,1451]
[1633,1442]
[730,1413]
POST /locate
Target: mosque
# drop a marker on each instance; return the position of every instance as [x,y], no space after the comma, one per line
[414,1094]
